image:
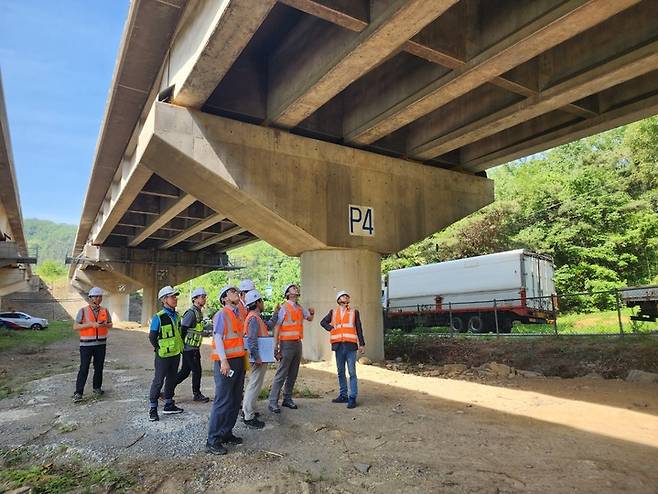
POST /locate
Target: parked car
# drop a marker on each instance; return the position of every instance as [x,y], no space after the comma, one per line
[21,320]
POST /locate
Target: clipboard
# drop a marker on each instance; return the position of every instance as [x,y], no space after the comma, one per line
[265,348]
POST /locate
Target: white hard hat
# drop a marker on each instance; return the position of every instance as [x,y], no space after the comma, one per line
[223,291]
[246,285]
[252,296]
[95,292]
[285,290]
[165,291]
[340,294]
[197,292]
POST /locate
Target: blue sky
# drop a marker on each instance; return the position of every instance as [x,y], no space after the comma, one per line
[57,59]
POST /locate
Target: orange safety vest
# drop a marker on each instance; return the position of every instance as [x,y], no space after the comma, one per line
[262,327]
[233,342]
[292,326]
[344,326]
[94,334]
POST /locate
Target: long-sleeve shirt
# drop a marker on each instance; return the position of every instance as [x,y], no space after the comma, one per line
[326,324]
[252,335]
[218,330]
[154,332]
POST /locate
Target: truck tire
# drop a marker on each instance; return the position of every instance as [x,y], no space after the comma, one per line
[457,324]
[475,324]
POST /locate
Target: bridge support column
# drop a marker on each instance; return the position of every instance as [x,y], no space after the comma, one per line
[324,273]
[119,305]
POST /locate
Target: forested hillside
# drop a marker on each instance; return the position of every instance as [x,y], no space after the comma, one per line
[54,240]
[591,204]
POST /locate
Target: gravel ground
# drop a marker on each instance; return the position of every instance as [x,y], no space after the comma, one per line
[409,434]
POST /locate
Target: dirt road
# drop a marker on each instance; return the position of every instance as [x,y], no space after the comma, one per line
[410,433]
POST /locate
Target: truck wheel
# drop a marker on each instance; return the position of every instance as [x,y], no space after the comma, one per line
[506,326]
[457,324]
[475,324]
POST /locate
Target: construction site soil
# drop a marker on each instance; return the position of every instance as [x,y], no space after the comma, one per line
[480,431]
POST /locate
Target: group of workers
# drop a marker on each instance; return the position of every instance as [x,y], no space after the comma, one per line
[239,333]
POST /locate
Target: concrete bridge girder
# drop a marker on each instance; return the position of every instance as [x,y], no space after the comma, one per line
[294,193]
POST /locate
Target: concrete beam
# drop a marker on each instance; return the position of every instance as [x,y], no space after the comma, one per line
[550,29]
[330,59]
[616,117]
[231,232]
[121,195]
[350,14]
[208,45]
[174,208]
[627,66]
[193,230]
[11,217]
[294,192]
[146,38]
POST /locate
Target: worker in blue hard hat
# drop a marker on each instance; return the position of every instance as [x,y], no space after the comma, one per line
[192,329]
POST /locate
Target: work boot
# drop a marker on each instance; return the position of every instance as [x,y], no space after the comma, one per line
[216,449]
[273,408]
[351,403]
[340,399]
[254,423]
[231,439]
[289,404]
[200,397]
[171,408]
[153,415]
[98,392]
[77,397]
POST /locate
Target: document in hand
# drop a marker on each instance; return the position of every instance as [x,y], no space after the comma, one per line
[265,348]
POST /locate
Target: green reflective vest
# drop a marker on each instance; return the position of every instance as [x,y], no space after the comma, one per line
[194,335]
[170,342]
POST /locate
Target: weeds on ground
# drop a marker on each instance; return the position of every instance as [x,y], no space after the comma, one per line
[304,392]
[17,471]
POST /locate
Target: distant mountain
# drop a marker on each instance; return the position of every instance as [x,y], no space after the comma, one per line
[54,240]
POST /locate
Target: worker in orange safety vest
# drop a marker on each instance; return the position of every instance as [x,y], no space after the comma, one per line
[346,335]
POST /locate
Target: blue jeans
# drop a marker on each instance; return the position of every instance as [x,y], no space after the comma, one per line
[346,356]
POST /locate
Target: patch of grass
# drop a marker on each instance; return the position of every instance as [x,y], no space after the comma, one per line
[51,479]
[27,341]
[304,392]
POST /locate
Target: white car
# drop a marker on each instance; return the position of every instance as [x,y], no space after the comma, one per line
[18,320]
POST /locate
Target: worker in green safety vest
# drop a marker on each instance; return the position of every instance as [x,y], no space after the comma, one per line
[193,327]
[165,336]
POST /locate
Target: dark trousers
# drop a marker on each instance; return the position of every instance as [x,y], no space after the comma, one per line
[228,397]
[165,373]
[191,363]
[96,352]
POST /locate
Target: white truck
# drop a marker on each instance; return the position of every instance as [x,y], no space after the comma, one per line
[467,294]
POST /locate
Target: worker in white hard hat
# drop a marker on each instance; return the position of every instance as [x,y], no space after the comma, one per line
[192,329]
[165,336]
[344,326]
[228,355]
[255,329]
[243,287]
[288,335]
[93,322]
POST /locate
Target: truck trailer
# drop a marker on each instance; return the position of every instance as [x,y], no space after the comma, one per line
[643,297]
[467,294]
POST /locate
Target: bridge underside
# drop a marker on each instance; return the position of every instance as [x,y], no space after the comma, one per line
[231,120]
